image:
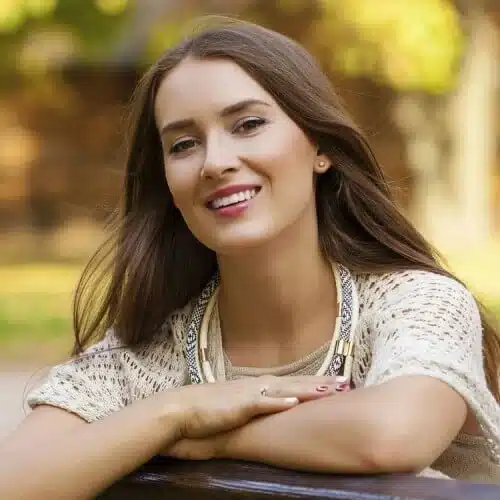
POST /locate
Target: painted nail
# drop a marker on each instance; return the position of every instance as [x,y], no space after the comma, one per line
[322,388]
[291,401]
[341,380]
[343,388]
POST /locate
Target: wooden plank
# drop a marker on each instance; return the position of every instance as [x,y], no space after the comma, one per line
[232,480]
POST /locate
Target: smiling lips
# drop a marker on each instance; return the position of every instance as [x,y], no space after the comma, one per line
[233,200]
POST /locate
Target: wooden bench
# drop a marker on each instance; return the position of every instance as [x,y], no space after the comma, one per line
[230,480]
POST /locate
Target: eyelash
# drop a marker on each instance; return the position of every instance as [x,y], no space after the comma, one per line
[255,120]
[180,146]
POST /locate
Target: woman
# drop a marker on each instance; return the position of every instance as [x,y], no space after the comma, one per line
[258,239]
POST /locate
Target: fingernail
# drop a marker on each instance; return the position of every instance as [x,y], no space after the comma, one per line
[341,380]
[291,401]
[343,388]
[322,388]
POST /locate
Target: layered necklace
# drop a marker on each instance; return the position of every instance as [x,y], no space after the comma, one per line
[338,360]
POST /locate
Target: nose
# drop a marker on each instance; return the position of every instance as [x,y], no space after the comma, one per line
[220,157]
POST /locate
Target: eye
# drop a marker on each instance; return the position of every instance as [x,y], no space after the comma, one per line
[183,146]
[249,125]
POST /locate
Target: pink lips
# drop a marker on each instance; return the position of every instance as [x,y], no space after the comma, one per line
[235,209]
[229,190]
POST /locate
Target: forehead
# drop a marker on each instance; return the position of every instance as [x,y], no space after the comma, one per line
[198,86]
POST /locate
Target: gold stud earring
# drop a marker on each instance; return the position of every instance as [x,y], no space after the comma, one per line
[322,164]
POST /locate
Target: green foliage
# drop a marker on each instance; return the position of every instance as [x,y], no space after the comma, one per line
[167,32]
[407,44]
[36,35]
[16,14]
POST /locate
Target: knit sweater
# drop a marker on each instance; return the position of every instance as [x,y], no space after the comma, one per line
[410,323]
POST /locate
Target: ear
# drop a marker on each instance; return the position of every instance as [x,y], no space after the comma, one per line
[321,164]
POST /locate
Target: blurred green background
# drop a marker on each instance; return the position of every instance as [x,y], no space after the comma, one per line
[421,77]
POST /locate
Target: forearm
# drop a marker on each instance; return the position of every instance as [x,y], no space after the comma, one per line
[83,461]
[325,435]
[400,426]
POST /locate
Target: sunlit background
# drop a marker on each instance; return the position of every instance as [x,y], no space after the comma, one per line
[421,77]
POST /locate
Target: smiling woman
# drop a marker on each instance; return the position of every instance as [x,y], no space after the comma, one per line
[260,268]
[232,142]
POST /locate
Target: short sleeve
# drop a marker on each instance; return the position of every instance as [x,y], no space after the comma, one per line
[91,386]
[427,324]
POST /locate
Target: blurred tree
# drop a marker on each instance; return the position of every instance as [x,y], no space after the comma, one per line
[441,56]
[474,113]
[37,36]
[445,67]
[437,55]
[383,41]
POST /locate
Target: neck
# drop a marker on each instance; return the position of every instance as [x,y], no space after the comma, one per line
[278,294]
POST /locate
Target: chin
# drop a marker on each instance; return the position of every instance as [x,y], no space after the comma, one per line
[235,244]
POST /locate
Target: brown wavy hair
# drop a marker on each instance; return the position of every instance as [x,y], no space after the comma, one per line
[152,264]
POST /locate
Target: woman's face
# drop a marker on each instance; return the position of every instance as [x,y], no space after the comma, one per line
[239,169]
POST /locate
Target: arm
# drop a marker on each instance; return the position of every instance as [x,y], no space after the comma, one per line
[377,429]
[426,370]
[55,454]
[70,459]
[83,433]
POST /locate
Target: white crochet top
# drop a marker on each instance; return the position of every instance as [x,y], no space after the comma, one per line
[410,323]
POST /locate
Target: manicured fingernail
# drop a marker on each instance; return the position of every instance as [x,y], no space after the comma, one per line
[341,380]
[291,401]
[322,388]
[343,388]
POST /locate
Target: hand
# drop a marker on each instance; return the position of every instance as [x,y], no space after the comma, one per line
[197,449]
[214,408]
[215,446]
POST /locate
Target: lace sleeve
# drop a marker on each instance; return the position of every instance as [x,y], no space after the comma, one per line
[91,386]
[427,324]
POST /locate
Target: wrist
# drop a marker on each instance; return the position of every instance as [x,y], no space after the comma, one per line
[222,444]
[172,417]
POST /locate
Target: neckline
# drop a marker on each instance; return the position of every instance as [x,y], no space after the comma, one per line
[339,356]
[304,360]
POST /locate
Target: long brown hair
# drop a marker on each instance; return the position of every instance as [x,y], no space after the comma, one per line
[152,264]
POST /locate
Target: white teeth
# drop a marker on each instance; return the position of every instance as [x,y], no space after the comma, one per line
[233,198]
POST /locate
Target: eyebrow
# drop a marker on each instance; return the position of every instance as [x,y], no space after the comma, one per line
[227,111]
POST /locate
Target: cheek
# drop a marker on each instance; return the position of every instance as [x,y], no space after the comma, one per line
[289,145]
[292,162]
[181,183]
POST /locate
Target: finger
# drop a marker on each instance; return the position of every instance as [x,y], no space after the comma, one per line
[311,379]
[319,392]
[314,379]
[337,379]
[264,405]
[305,392]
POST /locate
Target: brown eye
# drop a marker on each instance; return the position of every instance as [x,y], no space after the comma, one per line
[249,125]
[182,146]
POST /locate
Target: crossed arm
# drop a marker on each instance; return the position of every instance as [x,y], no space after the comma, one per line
[401,425]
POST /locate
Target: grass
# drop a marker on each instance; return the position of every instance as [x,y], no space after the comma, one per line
[35,302]
[35,310]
